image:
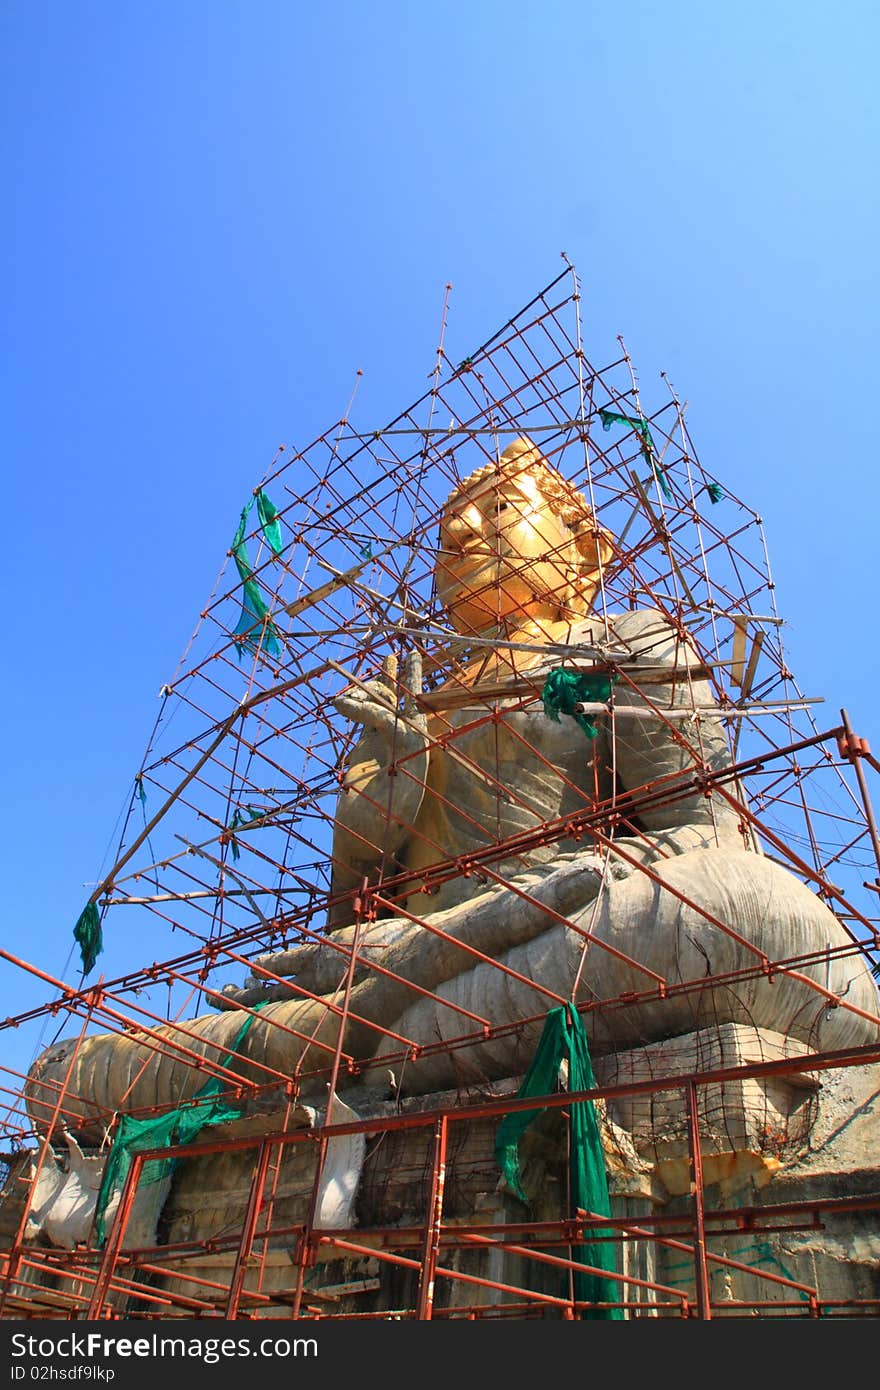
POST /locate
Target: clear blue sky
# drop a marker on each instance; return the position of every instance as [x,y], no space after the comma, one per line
[218,210]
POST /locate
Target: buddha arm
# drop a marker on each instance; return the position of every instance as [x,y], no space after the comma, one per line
[383,780]
[652,748]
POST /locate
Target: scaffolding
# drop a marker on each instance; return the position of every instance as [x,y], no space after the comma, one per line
[229,866]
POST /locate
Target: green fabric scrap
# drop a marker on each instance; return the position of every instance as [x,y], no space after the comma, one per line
[254,627]
[175,1127]
[715,491]
[649,449]
[565,689]
[660,475]
[635,422]
[564,1039]
[238,544]
[239,818]
[88,936]
[139,790]
[268,514]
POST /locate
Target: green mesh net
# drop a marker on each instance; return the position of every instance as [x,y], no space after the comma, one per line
[174,1127]
[564,1039]
[563,690]
[88,936]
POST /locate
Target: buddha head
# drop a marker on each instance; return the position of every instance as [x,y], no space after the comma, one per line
[519,547]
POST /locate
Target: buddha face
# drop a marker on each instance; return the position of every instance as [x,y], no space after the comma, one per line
[506,557]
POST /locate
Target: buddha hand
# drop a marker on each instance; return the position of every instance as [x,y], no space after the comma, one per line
[383,781]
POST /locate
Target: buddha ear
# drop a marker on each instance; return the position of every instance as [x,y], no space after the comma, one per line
[595,547]
[595,553]
[571,595]
[605,547]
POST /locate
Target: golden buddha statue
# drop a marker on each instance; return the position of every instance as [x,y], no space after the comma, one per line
[518,565]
